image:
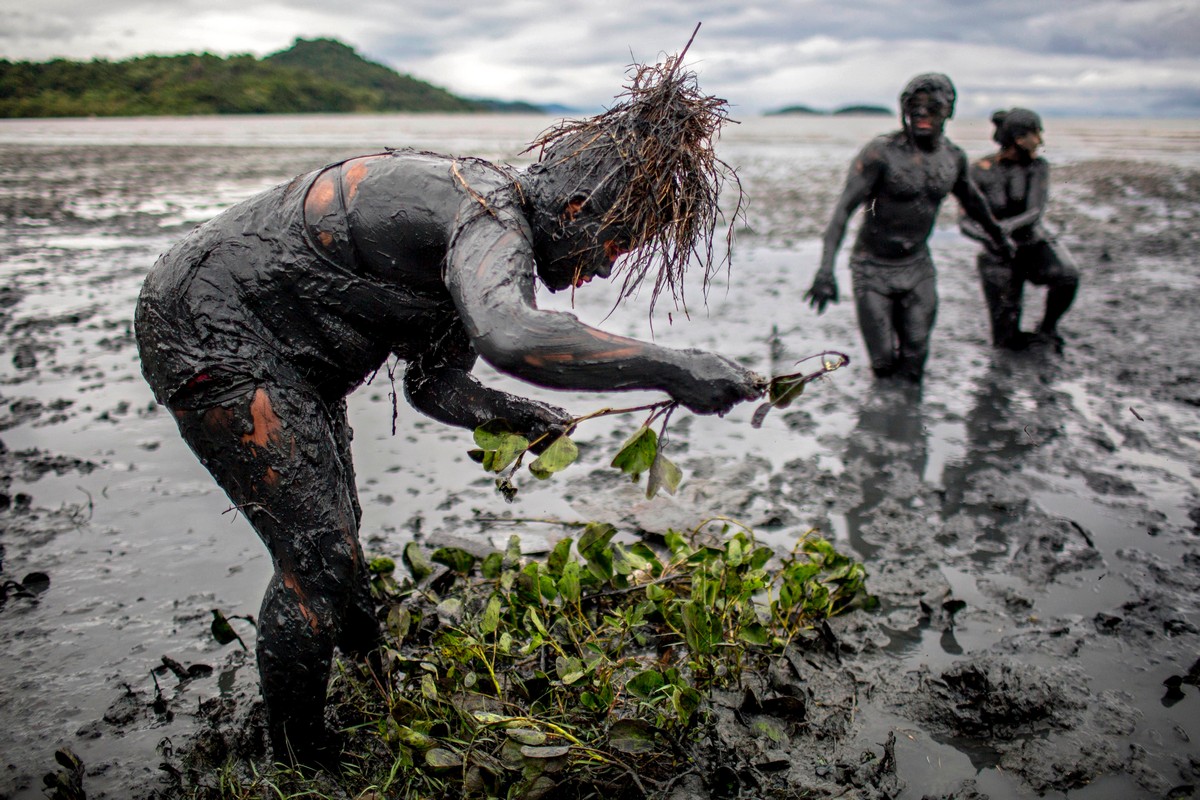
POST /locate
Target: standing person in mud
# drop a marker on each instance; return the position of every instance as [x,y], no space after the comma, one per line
[902,177]
[255,327]
[1016,183]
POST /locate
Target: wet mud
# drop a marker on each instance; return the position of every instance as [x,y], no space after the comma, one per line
[1030,521]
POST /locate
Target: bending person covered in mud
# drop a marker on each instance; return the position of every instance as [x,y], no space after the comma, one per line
[1016,183]
[255,327]
[902,177]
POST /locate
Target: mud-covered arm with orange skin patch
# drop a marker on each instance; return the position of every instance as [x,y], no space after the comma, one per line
[975,205]
[490,275]
[439,384]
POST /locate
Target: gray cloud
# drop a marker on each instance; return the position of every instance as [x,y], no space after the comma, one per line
[1081,56]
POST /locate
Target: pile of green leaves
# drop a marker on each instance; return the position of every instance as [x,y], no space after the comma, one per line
[586,671]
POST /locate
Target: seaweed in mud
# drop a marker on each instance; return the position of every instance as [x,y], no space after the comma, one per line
[589,672]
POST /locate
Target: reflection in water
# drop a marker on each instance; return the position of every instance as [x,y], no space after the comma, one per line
[1014,412]
[887,450]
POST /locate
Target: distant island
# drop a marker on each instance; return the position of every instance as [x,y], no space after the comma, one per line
[311,76]
[844,111]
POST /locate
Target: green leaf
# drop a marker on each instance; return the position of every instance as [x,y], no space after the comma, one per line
[222,631]
[561,453]
[698,628]
[559,557]
[455,558]
[550,751]
[416,561]
[527,736]
[685,700]
[491,616]
[626,562]
[399,620]
[439,759]
[651,558]
[646,683]
[637,454]
[632,736]
[784,389]
[429,688]
[381,565]
[755,633]
[663,475]
[570,669]
[677,544]
[414,739]
[491,565]
[568,584]
[595,538]
[500,445]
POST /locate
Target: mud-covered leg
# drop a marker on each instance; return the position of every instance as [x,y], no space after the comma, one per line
[277,453]
[1062,279]
[360,632]
[917,313]
[875,321]
[1002,290]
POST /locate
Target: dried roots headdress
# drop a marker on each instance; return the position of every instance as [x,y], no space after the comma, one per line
[654,148]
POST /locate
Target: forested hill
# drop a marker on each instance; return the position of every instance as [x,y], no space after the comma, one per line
[312,76]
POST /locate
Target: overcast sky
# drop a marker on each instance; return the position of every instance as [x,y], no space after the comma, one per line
[1080,57]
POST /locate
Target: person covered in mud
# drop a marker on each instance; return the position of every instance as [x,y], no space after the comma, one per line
[1016,183]
[902,178]
[255,327]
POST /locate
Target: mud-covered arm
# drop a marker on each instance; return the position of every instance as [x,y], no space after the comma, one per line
[1037,195]
[490,275]
[864,172]
[439,384]
[973,230]
[975,205]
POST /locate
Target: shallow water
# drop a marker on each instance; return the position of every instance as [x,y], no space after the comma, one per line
[146,543]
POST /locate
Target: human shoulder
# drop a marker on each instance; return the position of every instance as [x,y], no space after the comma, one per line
[955,152]
[878,147]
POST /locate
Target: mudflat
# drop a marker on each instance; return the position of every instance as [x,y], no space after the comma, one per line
[1030,521]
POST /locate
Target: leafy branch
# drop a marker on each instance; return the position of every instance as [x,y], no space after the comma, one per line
[502,450]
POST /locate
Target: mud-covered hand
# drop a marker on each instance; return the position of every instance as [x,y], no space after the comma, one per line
[1005,244]
[823,291]
[713,384]
[540,422]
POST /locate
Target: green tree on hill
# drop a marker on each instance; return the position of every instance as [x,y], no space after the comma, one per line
[312,76]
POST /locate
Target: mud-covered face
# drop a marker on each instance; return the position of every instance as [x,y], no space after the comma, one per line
[1030,142]
[925,115]
[581,248]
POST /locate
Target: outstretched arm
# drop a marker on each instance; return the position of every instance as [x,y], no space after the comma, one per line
[490,275]
[864,172]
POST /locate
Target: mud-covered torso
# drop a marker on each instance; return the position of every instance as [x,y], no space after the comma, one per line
[1006,184]
[903,203]
[330,273]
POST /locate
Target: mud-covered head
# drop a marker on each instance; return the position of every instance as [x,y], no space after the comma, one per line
[641,178]
[925,105]
[1015,124]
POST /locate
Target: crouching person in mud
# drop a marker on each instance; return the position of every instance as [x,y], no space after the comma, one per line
[255,327]
[903,178]
[1016,183]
